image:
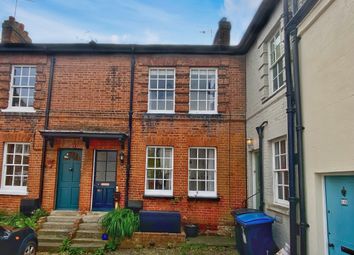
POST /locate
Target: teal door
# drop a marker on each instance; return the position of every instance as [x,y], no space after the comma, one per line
[68,187]
[340,214]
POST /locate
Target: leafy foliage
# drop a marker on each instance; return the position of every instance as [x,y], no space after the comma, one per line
[19,220]
[67,249]
[120,223]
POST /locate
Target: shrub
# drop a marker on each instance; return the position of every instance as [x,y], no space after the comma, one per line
[19,220]
[66,248]
[120,223]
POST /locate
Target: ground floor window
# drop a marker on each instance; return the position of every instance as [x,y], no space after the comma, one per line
[202,172]
[280,172]
[159,171]
[15,167]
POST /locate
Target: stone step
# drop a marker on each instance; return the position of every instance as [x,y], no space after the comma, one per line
[50,239]
[62,218]
[89,234]
[88,241]
[51,247]
[58,225]
[92,218]
[63,233]
[88,246]
[90,226]
[64,213]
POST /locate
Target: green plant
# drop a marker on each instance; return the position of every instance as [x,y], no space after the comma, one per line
[19,220]
[66,248]
[39,213]
[120,223]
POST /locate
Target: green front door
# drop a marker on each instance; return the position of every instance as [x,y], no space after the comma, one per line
[68,188]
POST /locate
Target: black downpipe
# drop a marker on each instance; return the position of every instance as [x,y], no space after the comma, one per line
[260,130]
[299,140]
[291,137]
[46,124]
[127,174]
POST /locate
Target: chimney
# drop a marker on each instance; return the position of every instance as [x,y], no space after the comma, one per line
[222,36]
[14,32]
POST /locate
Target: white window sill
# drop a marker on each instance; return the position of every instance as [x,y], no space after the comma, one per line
[19,109]
[201,112]
[161,112]
[279,208]
[13,192]
[158,193]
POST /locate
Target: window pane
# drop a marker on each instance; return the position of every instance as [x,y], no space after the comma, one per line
[18,159]
[202,105]
[192,175]
[16,81]
[167,185]
[193,164]
[211,164]
[153,84]
[169,95]
[112,156]
[194,105]
[280,192]
[161,105]
[101,156]
[10,148]
[18,170]
[283,162]
[202,84]
[110,176]
[24,181]
[202,95]
[193,185]
[111,166]
[211,153]
[17,71]
[286,191]
[286,178]
[158,174]
[17,181]
[100,176]
[33,71]
[193,153]
[151,152]
[210,186]
[211,84]
[194,84]
[168,163]
[150,173]
[151,163]
[201,153]
[8,181]
[150,184]
[24,81]
[101,166]
[9,159]
[201,185]
[167,174]
[168,153]
[10,170]
[25,71]
[158,184]
[170,84]
[153,105]
[282,146]
[280,178]
[201,175]
[161,84]
[201,164]
[210,175]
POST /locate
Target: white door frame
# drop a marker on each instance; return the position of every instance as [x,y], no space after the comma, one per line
[254,177]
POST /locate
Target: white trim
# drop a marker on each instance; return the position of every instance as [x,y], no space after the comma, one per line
[7,189]
[11,108]
[216,91]
[254,177]
[174,91]
[324,213]
[276,200]
[205,194]
[276,62]
[19,109]
[93,177]
[160,193]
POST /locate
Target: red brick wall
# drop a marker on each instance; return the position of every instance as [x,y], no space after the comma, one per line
[91,92]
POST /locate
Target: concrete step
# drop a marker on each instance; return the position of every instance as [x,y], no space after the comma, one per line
[88,246]
[51,247]
[64,213]
[58,225]
[88,241]
[90,226]
[62,218]
[50,239]
[96,234]
[92,218]
[62,233]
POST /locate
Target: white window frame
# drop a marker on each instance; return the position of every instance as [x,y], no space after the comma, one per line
[203,194]
[11,108]
[276,198]
[281,58]
[216,91]
[157,89]
[9,189]
[154,192]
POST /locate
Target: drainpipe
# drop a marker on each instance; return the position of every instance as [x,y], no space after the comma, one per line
[260,130]
[127,174]
[291,137]
[299,140]
[46,124]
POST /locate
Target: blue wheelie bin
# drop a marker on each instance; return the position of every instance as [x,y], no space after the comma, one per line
[254,234]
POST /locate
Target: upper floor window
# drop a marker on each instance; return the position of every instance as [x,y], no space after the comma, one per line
[202,172]
[159,171]
[15,167]
[161,90]
[23,81]
[276,62]
[203,90]
[281,173]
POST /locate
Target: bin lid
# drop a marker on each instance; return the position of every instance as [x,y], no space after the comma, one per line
[253,219]
[240,211]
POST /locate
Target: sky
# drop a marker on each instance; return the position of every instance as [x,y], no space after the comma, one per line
[129,21]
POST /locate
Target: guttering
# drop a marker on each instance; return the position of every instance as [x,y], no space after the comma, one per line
[130,126]
[46,124]
[291,138]
[260,130]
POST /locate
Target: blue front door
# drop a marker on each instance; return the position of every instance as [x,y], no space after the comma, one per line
[340,214]
[104,180]
[68,187]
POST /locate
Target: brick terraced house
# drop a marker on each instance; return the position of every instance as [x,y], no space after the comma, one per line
[92,126]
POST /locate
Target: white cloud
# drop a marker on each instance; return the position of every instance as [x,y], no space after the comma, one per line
[151,37]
